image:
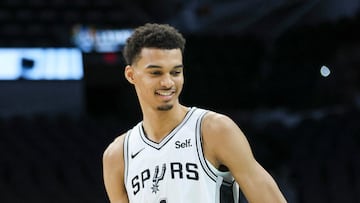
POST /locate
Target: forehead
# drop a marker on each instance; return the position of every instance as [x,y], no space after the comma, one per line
[160,56]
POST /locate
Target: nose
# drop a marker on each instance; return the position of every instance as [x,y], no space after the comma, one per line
[166,81]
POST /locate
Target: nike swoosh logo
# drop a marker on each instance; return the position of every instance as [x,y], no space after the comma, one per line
[135,154]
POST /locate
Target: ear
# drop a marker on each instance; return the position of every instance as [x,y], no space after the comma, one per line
[129,74]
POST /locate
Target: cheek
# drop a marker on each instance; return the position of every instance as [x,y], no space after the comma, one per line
[180,83]
[142,86]
[182,80]
[148,86]
[144,82]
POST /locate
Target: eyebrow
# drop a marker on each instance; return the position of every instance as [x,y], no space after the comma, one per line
[156,66]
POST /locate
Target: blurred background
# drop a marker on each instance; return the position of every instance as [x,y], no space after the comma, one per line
[287,71]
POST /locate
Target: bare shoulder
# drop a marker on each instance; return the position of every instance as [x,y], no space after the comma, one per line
[222,138]
[114,152]
[113,170]
[217,124]
[212,117]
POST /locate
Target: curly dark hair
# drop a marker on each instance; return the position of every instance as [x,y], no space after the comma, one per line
[152,35]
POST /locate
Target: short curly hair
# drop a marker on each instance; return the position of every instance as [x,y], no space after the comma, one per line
[152,35]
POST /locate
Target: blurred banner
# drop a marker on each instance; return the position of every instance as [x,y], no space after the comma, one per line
[41,64]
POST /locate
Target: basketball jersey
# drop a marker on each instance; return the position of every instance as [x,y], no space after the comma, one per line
[175,169]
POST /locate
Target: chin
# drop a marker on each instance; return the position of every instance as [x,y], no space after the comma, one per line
[165,107]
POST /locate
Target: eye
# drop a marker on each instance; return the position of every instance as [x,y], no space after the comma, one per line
[155,72]
[176,72]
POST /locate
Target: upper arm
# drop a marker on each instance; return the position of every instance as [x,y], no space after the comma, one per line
[225,144]
[113,171]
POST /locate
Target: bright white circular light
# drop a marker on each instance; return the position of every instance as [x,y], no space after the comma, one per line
[324,71]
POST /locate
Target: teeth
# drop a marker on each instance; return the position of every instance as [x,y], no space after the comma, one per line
[165,93]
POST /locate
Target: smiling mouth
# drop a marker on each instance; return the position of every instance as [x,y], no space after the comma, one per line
[165,92]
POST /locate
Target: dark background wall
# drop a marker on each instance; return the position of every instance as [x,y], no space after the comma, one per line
[256,61]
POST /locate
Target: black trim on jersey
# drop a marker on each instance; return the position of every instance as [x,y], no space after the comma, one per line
[227,194]
[201,156]
[167,138]
[126,155]
[199,148]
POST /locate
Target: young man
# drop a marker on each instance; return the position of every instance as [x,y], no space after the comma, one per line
[178,154]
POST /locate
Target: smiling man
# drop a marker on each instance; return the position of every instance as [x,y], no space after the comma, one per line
[178,153]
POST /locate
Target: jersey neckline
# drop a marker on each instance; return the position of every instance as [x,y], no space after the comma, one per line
[167,138]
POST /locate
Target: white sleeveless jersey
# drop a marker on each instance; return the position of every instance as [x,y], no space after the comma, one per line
[174,170]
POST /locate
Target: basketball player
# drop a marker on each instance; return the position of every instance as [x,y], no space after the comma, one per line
[178,153]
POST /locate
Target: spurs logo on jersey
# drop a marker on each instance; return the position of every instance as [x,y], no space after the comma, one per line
[157,178]
[177,171]
[174,170]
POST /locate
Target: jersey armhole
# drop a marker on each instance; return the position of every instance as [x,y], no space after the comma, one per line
[126,155]
[210,170]
[199,147]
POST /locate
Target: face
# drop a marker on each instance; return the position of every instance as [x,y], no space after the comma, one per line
[158,77]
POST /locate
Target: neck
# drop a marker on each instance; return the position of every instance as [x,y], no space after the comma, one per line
[158,124]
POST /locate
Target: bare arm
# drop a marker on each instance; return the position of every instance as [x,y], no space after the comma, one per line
[113,171]
[225,144]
